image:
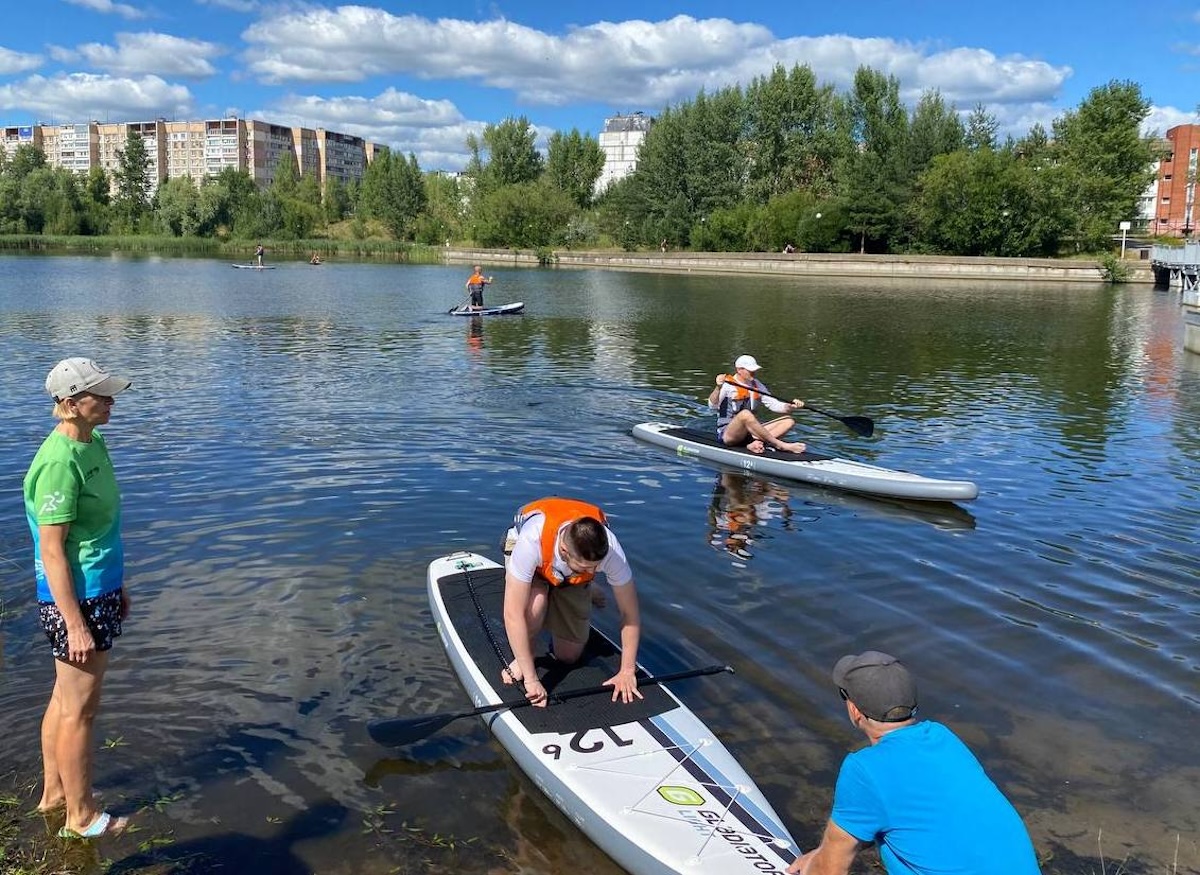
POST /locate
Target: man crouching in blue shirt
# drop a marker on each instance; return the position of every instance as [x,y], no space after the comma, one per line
[917,791]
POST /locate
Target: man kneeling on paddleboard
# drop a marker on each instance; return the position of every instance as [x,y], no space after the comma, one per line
[561,544]
[734,399]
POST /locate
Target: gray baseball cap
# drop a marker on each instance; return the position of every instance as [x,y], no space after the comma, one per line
[878,684]
[74,375]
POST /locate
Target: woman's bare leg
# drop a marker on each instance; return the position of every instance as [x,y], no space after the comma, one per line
[67,730]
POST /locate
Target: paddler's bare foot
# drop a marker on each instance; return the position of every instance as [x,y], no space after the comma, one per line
[792,448]
[512,674]
[755,446]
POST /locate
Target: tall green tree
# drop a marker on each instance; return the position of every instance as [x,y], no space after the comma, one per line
[987,202]
[1106,161]
[574,162]
[444,217]
[286,176]
[504,155]
[177,207]
[981,129]
[791,134]
[132,203]
[657,196]
[393,191]
[716,167]
[336,201]
[25,159]
[96,196]
[525,215]
[935,130]
[876,174]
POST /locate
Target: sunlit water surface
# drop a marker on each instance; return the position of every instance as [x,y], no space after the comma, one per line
[300,443]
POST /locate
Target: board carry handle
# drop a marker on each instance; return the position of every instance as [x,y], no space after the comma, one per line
[398,731]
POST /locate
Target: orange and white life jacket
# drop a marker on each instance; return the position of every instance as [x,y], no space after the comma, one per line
[556,513]
[731,406]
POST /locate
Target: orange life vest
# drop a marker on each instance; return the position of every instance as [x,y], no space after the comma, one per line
[556,513]
[743,399]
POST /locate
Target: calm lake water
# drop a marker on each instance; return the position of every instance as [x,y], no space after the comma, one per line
[300,443]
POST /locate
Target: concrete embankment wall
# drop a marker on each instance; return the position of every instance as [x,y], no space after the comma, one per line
[812,264]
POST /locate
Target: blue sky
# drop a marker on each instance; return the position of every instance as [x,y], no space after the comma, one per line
[420,76]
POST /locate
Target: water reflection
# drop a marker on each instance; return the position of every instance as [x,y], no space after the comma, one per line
[741,508]
[475,335]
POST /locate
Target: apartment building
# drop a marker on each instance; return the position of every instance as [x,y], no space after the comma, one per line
[20,135]
[268,145]
[224,146]
[72,147]
[620,140]
[199,149]
[308,154]
[186,149]
[1175,207]
[342,157]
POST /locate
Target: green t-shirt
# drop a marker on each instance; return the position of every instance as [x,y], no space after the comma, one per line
[73,482]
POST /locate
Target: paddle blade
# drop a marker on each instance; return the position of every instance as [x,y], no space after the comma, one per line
[861,425]
[406,730]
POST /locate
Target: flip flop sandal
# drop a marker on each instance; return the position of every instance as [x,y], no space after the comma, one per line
[104,824]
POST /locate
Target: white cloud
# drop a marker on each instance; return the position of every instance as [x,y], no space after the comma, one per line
[17,62]
[150,53]
[626,63]
[108,7]
[1017,120]
[433,130]
[235,5]
[78,97]
[1163,118]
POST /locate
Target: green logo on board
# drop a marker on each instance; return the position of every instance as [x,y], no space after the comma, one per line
[680,795]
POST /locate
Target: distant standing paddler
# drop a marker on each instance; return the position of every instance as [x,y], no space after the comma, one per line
[475,286]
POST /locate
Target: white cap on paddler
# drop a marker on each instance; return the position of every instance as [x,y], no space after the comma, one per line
[74,375]
[748,362]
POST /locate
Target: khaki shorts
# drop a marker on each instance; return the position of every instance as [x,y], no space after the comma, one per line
[569,612]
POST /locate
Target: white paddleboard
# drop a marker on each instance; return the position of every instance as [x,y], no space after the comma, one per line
[648,782]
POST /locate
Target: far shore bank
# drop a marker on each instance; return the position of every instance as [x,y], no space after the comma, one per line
[800,264]
[810,264]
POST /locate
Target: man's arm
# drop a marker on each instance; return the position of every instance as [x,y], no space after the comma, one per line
[516,603]
[832,857]
[714,397]
[624,682]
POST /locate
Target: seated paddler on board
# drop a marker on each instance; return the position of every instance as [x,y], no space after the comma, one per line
[734,398]
[558,546]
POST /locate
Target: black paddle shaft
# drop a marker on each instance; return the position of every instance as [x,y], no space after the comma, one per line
[405,730]
[860,425]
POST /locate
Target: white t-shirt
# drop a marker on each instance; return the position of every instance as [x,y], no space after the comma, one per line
[526,556]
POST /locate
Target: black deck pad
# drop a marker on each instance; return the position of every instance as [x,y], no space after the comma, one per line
[710,438]
[601,659]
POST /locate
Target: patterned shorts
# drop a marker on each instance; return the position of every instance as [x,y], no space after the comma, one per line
[102,615]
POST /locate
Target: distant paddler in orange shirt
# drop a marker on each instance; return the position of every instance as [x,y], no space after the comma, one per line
[475,286]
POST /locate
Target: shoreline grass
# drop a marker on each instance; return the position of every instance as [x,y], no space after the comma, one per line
[413,253]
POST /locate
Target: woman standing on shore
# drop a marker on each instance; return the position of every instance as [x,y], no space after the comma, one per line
[73,507]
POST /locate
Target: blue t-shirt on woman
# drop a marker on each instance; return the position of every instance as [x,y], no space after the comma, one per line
[922,796]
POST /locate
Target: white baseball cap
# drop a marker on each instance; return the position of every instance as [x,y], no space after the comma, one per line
[746,361]
[74,375]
